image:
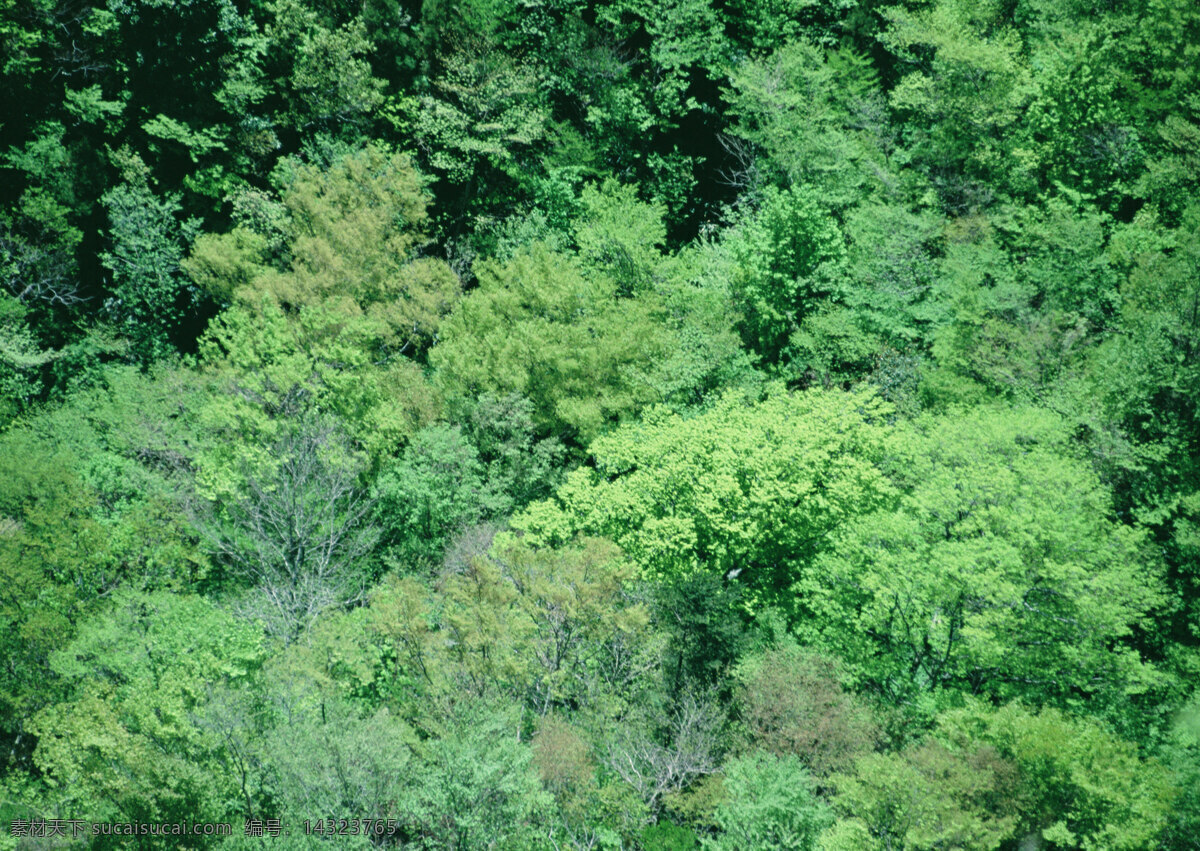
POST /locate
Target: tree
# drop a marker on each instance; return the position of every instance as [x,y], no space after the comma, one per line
[1084,130]
[476,786]
[539,327]
[124,745]
[760,26]
[151,300]
[518,467]
[433,491]
[783,261]
[352,233]
[566,763]
[51,550]
[265,366]
[770,805]
[792,704]
[996,570]
[555,628]
[927,797]
[964,102]
[689,748]
[1079,785]
[552,629]
[482,111]
[39,236]
[703,615]
[1014,310]
[1181,754]
[620,236]
[748,490]
[815,117]
[296,529]
[1147,430]
[321,71]
[21,360]
[881,308]
[322,755]
[639,79]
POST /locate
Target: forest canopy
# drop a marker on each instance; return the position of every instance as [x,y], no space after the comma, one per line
[601,424]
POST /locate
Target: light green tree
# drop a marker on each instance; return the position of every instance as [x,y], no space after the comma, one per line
[265,367]
[963,105]
[476,786]
[124,745]
[996,569]
[620,236]
[770,805]
[926,797]
[806,115]
[1079,786]
[21,360]
[430,493]
[750,489]
[784,259]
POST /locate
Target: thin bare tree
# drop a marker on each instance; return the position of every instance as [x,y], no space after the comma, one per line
[692,750]
[298,530]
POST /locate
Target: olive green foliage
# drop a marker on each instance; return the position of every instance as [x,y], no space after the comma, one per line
[550,628]
[792,703]
[567,765]
[926,797]
[538,326]
[351,234]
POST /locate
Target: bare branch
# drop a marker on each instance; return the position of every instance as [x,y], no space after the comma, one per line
[32,274]
[298,531]
[692,751]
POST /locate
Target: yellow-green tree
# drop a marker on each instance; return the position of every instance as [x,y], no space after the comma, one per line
[353,234]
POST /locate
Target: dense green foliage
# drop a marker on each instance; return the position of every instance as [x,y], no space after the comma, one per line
[757,424]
